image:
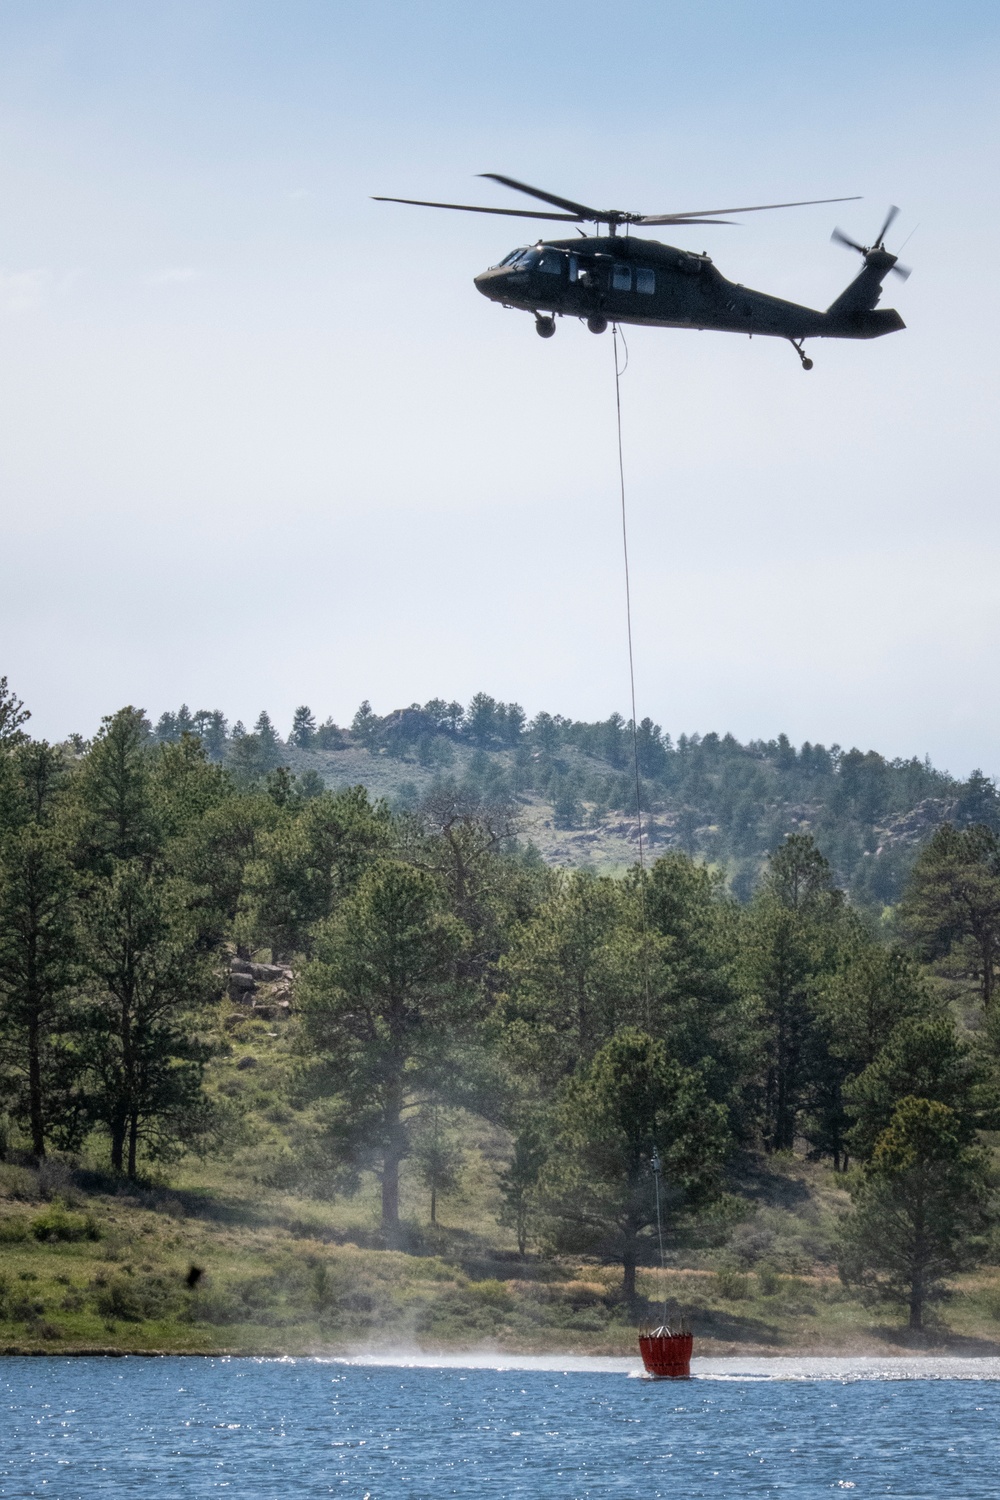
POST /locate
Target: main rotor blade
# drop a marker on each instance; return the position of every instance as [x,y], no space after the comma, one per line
[840,238]
[893,211]
[581,209]
[680,223]
[701,215]
[475,208]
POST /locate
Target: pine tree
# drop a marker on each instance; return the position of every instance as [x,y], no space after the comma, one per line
[789,944]
[630,1100]
[921,1209]
[384,1012]
[438,1156]
[12,715]
[211,728]
[519,1182]
[303,728]
[37,943]
[952,903]
[145,982]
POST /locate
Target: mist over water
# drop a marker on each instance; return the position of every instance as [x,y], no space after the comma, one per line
[412,1427]
[724,1367]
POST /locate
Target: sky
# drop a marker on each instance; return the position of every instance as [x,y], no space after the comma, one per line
[262,443]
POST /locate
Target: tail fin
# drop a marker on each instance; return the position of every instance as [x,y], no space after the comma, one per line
[865,290]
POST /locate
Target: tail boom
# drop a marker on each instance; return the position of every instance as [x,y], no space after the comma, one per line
[863,323]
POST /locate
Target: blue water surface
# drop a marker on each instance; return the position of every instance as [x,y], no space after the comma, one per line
[71,1429]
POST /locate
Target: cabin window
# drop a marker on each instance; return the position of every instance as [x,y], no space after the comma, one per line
[551,263]
[621,278]
[574,268]
[645,281]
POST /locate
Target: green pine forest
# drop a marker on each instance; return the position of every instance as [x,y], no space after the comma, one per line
[368,1034]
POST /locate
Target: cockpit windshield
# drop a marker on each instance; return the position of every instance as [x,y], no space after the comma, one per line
[524,255]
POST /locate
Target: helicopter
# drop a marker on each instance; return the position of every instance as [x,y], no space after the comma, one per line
[613,278]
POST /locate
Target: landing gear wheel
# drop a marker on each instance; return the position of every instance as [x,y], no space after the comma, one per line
[796,344]
[597,323]
[545,327]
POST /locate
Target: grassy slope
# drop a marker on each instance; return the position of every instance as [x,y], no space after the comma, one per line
[287,1271]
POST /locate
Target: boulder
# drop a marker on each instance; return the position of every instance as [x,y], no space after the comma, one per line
[268,973]
[241,988]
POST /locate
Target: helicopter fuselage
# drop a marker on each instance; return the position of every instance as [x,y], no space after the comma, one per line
[626,279]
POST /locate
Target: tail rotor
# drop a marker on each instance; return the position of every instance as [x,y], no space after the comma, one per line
[875,254]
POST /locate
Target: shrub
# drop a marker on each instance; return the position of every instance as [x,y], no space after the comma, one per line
[54,1179]
[24,1311]
[216,1305]
[56,1223]
[230,1304]
[12,1231]
[768,1280]
[749,1243]
[731,1285]
[460,1313]
[132,1299]
[18,1182]
[492,1294]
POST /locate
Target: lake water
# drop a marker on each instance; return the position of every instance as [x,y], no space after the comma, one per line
[552,1429]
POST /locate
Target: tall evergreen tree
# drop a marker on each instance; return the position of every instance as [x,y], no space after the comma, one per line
[13,715]
[856,1009]
[921,1209]
[383,1012]
[37,942]
[310,857]
[303,728]
[145,983]
[790,942]
[146,971]
[116,809]
[628,1101]
[211,728]
[951,907]
[569,980]
[927,1058]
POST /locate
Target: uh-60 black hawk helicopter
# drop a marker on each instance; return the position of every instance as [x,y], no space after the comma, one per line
[624,279]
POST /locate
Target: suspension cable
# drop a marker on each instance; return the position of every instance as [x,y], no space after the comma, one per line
[631,662]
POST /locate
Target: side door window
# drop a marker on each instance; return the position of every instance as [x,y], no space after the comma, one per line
[621,277]
[645,280]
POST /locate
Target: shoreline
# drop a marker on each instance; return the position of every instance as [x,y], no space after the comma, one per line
[495,1358]
[839,1369]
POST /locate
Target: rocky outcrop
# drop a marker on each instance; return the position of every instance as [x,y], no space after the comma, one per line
[265,989]
[913,827]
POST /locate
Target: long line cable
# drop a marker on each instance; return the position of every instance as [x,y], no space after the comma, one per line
[631,660]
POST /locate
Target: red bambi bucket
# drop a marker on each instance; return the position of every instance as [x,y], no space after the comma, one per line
[667,1356]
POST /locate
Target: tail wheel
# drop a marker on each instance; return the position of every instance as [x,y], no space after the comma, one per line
[597,323]
[545,327]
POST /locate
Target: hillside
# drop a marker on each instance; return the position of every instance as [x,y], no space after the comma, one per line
[89,1261]
[571,785]
[286,1065]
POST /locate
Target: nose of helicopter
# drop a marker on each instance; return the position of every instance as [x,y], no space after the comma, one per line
[492,282]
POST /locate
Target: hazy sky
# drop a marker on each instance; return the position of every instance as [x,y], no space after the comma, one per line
[264,444]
